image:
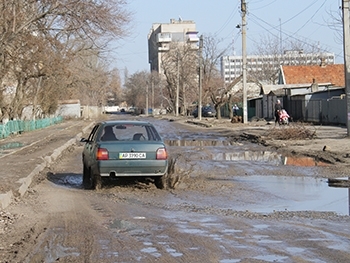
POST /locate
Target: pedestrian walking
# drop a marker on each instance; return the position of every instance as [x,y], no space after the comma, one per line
[278,108]
[235,109]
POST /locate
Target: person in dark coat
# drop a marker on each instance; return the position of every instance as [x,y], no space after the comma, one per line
[278,108]
[235,110]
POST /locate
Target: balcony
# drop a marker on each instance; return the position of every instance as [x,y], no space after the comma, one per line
[163,37]
[193,46]
[163,48]
[192,36]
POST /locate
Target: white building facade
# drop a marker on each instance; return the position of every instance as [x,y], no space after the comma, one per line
[162,35]
[232,66]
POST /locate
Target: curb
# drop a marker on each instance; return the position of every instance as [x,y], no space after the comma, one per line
[7,198]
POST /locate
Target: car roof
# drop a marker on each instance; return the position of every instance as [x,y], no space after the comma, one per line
[130,122]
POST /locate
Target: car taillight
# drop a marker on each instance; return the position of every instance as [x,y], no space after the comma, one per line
[102,154]
[162,154]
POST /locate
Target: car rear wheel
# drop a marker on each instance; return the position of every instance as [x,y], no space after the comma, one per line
[97,182]
[87,181]
[161,182]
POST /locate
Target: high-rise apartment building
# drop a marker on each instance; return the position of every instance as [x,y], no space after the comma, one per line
[232,66]
[161,36]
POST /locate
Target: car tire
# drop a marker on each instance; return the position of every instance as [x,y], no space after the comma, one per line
[87,181]
[161,182]
[97,182]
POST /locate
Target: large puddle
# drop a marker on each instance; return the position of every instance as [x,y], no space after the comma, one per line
[292,193]
[238,154]
[298,194]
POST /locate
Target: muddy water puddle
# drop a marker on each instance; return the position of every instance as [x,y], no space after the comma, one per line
[6,147]
[300,192]
[297,194]
[199,143]
[232,151]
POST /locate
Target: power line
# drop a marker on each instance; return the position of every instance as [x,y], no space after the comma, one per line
[311,16]
[228,20]
[289,35]
[263,1]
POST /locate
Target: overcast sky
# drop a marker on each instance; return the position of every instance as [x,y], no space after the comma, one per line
[311,21]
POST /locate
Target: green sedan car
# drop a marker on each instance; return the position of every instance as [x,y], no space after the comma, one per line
[122,149]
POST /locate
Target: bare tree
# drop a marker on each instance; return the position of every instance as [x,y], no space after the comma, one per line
[156,92]
[214,90]
[114,87]
[335,23]
[180,65]
[42,41]
[135,89]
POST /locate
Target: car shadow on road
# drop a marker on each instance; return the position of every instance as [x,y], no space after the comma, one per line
[75,180]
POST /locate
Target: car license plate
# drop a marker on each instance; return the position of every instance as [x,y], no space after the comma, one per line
[132,155]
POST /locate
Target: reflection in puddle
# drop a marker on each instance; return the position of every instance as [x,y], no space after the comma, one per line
[67,180]
[271,258]
[198,143]
[302,161]
[257,156]
[295,250]
[266,156]
[10,145]
[339,182]
[230,260]
[232,153]
[151,250]
[173,252]
[278,193]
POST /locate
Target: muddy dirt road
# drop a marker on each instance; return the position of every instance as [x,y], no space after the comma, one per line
[232,202]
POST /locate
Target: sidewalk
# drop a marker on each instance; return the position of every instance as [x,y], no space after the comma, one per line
[25,155]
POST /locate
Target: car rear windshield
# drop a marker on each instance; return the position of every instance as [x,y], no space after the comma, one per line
[129,132]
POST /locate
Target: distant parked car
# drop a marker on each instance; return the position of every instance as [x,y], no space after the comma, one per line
[111,109]
[207,111]
[123,149]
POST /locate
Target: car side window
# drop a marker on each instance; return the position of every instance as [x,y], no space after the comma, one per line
[93,133]
[153,134]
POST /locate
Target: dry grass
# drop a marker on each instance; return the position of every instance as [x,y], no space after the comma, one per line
[291,132]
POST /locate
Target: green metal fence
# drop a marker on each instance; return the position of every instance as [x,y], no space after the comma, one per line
[18,126]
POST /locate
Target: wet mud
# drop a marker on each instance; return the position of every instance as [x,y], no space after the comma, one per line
[230,201]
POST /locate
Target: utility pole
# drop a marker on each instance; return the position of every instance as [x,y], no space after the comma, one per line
[346,45]
[152,90]
[177,86]
[244,60]
[147,99]
[200,77]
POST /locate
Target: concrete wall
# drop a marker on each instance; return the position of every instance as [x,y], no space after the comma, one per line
[90,112]
[69,110]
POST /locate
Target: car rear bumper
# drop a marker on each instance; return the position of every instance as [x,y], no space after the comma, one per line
[113,174]
[113,168]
